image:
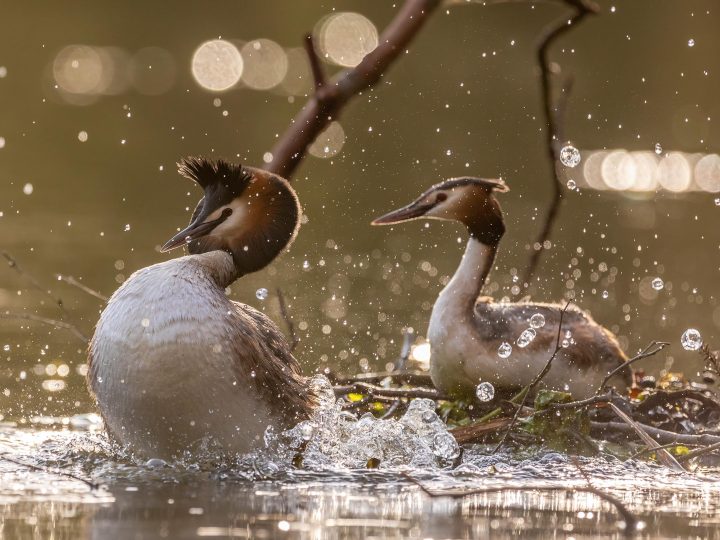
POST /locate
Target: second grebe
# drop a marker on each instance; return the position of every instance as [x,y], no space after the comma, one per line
[174,364]
[473,339]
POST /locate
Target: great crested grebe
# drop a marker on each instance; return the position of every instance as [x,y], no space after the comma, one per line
[470,336]
[175,364]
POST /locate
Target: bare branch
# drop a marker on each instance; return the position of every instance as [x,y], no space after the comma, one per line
[652,349]
[662,436]
[329,98]
[12,263]
[529,388]
[699,452]
[51,322]
[70,280]
[315,65]
[554,116]
[364,388]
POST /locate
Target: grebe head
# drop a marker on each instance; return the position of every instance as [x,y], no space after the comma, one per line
[467,200]
[250,213]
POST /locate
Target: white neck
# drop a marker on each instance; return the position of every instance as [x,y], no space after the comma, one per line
[470,276]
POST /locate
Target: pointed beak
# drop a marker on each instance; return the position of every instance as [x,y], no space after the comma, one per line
[194,231]
[413,210]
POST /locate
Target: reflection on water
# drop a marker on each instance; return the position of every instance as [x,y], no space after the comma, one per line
[189,501]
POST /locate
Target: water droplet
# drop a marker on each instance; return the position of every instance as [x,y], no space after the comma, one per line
[6,348]
[691,340]
[127,227]
[658,284]
[445,446]
[537,320]
[145,323]
[571,184]
[485,391]
[526,337]
[605,294]
[306,265]
[504,350]
[28,189]
[570,156]
[429,416]
[83,136]
[306,431]
[261,293]
[691,42]
[658,149]
[717,201]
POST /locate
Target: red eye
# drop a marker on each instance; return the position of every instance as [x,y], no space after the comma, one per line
[440,197]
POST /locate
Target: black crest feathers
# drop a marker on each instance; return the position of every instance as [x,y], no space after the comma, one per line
[206,172]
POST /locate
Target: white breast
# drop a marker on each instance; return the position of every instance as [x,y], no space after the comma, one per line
[162,364]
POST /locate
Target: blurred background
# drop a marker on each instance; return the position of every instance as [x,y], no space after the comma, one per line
[100,99]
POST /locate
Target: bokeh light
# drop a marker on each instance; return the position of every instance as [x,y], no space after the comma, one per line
[346,38]
[265,64]
[329,142]
[78,69]
[674,173]
[217,65]
[707,173]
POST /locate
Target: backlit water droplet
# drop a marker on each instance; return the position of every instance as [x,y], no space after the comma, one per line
[570,156]
[571,184]
[658,284]
[485,391]
[605,294]
[445,446]
[537,320]
[28,189]
[691,340]
[658,149]
[504,350]
[127,227]
[526,337]
[717,201]
[261,293]
[691,42]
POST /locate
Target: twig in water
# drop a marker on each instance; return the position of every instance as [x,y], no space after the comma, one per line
[369,389]
[661,435]
[58,472]
[529,388]
[44,320]
[664,446]
[294,339]
[408,336]
[554,116]
[84,288]
[630,519]
[331,96]
[652,349]
[663,455]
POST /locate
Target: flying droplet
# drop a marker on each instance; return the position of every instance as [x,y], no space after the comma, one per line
[145,323]
[717,201]
[526,337]
[306,265]
[570,156]
[485,391]
[571,184]
[537,320]
[445,446]
[127,227]
[504,350]
[691,42]
[691,340]
[658,149]
[658,284]
[605,294]
[6,348]
[261,293]
[28,189]
[83,136]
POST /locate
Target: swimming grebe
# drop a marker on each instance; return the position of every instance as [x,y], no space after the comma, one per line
[174,364]
[470,336]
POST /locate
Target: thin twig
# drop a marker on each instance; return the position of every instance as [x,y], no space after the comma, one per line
[699,452]
[408,336]
[554,114]
[44,320]
[330,97]
[294,339]
[12,263]
[315,65]
[652,349]
[662,436]
[58,472]
[70,280]
[630,520]
[364,388]
[411,377]
[663,455]
[664,446]
[529,388]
